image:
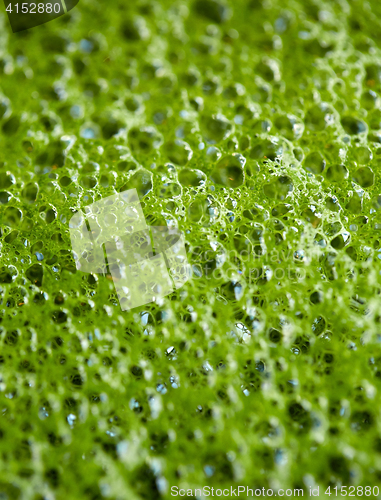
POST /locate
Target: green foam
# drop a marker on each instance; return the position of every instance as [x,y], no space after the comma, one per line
[255,126]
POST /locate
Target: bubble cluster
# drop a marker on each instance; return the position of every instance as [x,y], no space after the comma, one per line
[253,126]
